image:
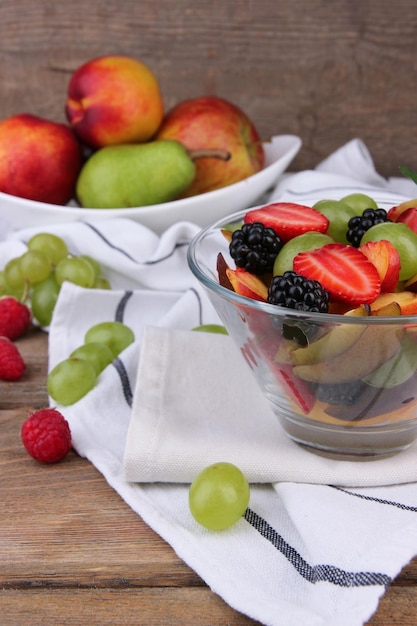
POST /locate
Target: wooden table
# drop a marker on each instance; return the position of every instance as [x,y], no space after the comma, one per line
[72,552]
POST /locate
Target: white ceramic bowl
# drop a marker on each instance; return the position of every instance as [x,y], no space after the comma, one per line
[202,209]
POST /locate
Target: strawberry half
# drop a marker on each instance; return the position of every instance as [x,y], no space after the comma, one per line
[288,219]
[343,270]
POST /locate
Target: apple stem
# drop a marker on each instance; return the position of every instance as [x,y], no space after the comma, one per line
[214,153]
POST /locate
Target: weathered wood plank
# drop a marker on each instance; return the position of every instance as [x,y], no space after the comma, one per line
[153,607]
[147,607]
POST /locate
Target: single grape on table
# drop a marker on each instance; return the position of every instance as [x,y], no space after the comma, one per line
[219,496]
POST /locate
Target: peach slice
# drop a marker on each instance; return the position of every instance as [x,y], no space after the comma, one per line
[395,211]
[407,300]
[409,217]
[247,284]
[385,257]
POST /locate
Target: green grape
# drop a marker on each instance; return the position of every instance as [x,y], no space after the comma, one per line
[116,335]
[71,380]
[211,328]
[35,266]
[338,213]
[101,283]
[359,202]
[98,354]
[402,238]
[6,290]
[75,270]
[301,243]
[13,274]
[219,496]
[43,299]
[95,264]
[51,245]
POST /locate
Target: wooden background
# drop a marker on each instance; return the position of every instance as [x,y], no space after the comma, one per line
[326,70]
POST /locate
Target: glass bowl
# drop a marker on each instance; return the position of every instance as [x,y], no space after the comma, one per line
[343,386]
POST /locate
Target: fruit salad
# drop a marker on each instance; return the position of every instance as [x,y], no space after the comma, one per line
[342,348]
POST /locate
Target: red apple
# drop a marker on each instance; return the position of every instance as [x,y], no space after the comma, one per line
[385,257]
[39,159]
[114,100]
[215,123]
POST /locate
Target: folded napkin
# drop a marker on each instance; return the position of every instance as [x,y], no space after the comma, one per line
[174,401]
[185,417]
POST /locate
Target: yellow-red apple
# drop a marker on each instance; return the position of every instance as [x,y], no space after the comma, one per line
[212,122]
[114,99]
[39,159]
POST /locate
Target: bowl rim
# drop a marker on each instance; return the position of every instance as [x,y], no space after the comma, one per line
[227,294]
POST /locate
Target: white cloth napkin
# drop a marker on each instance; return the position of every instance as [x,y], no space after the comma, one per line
[304,553]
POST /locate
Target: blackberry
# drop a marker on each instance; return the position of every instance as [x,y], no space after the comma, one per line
[296,292]
[255,247]
[359,224]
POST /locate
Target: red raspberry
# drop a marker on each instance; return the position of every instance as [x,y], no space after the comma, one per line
[12,365]
[15,317]
[46,435]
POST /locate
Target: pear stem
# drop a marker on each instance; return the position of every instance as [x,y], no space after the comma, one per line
[214,153]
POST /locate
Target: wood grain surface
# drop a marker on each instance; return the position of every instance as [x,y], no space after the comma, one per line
[72,552]
[325,71]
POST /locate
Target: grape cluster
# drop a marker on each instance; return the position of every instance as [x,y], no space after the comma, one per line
[71,379]
[36,275]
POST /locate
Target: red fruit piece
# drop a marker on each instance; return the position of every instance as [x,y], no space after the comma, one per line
[12,365]
[298,390]
[409,217]
[395,211]
[288,219]
[247,284]
[46,435]
[384,255]
[15,317]
[343,270]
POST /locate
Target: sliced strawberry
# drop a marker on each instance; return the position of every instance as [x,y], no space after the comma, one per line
[384,255]
[343,270]
[288,219]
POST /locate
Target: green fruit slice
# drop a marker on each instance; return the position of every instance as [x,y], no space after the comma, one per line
[398,369]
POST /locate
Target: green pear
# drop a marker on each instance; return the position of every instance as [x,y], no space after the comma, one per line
[133,175]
